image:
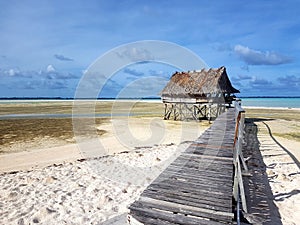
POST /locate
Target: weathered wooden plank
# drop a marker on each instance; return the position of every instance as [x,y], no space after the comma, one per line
[204,165]
[221,125]
[221,137]
[208,193]
[145,217]
[209,181]
[209,157]
[203,195]
[227,130]
[197,183]
[208,135]
[203,201]
[184,209]
[219,158]
[208,163]
[206,154]
[216,135]
[190,189]
[210,152]
[204,173]
[217,152]
[189,201]
[218,130]
[188,177]
[202,184]
[163,218]
[209,141]
[212,145]
[201,171]
[175,177]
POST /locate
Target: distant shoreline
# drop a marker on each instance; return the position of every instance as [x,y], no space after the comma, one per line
[59,98]
[247,102]
[266,107]
[143,98]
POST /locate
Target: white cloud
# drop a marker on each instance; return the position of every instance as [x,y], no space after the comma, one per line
[15,73]
[255,57]
[62,57]
[11,72]
[136,54]
[50,69]
[133,72]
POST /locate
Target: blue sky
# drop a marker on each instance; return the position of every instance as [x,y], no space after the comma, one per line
[45,46]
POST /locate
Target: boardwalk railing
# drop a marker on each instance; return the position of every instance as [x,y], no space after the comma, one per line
[238,159]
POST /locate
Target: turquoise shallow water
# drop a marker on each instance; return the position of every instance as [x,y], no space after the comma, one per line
[272,102]
[255,102]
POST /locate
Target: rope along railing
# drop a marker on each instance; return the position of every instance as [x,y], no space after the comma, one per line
[238,159]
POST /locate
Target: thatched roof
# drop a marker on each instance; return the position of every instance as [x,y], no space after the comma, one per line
[198,83]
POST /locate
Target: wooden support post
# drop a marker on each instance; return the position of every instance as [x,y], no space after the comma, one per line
[238,157]
[209,112]
[241,137]
[174,111]
[182,110]
[168,110]
[195,112]
[241,186]
[165,116]
[235,190]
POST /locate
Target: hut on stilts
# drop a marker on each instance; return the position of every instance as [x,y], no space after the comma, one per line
[197,95]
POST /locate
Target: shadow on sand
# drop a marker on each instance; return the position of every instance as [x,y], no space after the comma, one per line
[281,146]
[261,208]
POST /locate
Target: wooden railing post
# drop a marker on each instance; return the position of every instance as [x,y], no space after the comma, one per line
[238,186]
[241,138]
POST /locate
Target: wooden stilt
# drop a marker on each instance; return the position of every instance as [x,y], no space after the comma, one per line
[193,111]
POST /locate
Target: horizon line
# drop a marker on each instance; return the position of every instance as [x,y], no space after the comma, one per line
[72,98]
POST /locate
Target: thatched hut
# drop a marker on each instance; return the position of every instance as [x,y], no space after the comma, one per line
[197,94]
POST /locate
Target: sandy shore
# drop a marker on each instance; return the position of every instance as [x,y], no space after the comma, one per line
[81,192]
[59,185]
[279,139]
[282,157]
[121,135]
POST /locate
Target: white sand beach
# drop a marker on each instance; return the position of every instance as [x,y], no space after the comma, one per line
[283,173]
[86,192]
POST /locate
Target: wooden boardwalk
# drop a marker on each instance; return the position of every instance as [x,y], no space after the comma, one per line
[197,187]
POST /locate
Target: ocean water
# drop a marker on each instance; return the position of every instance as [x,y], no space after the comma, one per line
[272,102]
[283,102]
